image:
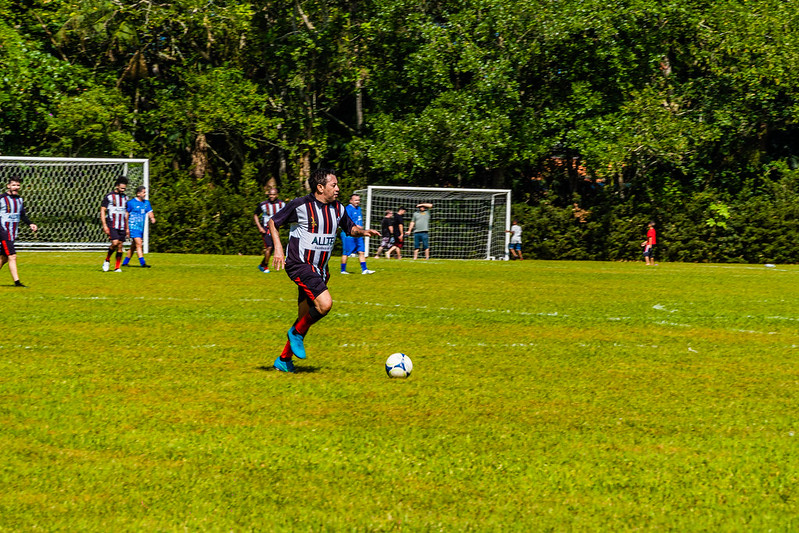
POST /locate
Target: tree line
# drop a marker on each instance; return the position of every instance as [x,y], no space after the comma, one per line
[620,111]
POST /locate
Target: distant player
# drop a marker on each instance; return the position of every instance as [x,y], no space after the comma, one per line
[350,245]
[649,245]
[139,209]
[114,216]
[12,212]
[420,228]
[386,232]
[315,220]
[399,233]
[266,210]
[515,245]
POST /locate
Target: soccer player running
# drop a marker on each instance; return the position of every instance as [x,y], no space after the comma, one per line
[114,216]
[139,209]
[387,232]
[266,210]
[350,245]
[12,212]
[315,220]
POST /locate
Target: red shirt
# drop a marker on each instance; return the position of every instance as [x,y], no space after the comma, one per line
[650,236]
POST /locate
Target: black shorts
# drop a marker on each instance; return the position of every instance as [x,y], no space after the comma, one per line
[117,234]
[310,284]
[7,248]
[267,237]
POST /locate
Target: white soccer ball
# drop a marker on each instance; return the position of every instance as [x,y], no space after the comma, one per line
[398,365]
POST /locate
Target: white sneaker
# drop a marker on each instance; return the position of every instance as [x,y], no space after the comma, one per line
[106,266]
[344,272]
[367,271]
[118,270]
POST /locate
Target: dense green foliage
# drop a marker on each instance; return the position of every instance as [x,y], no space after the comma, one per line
[650,399]
[672,108]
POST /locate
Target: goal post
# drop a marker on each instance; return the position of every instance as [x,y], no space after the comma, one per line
[62,197]
[464,223]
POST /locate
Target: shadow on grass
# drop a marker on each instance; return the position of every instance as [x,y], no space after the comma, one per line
[297,369]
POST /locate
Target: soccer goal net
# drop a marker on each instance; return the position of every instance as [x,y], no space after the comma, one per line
[62,197]
[464,223]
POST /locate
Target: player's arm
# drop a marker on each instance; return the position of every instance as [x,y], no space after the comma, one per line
[358,231]
[103,216]
[278,258]
[425,205]
[258,224]
[410,228]
[152,217]
[23,216]
[127,226]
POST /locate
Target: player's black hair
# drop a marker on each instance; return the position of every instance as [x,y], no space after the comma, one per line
[401,208]
[388,211]
[16,178]
[140,188]
[121,180]
[319,177]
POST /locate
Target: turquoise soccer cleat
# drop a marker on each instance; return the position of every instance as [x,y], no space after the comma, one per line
[284,366]
[296,342]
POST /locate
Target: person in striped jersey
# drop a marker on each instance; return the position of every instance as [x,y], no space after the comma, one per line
[12,212]
[315,220]
[262,214]
[114,216]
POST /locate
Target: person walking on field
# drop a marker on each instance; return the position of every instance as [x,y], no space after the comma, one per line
[315,219]
[12,212]
[399,233]
[350,245]
[420,227]
[387,232]
[266,210]
[114,216]
[139,209]
[649,245]
[515,245]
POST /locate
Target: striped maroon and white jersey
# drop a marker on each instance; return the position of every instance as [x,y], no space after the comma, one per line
[267,210]
[116,203]
[313,230]
[12,211]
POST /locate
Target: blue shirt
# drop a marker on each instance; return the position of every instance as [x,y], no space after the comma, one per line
[355,214]
[137,212]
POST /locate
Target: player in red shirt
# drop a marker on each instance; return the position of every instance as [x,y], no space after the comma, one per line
[649,245]
[314,220]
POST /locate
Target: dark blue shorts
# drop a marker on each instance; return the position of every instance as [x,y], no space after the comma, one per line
[267,237]
[421,241]
[515,246]
[649,251]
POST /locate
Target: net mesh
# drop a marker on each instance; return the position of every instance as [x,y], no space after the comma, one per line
[464,223]
[62,197]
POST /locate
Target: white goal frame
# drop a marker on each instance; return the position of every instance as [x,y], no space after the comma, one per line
[454,234]
[62,197]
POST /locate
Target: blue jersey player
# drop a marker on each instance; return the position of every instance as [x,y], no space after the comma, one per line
[350,245]
[315,220]
[139,209]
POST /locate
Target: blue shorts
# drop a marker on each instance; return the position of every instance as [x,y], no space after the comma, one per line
[136,233]
[421,241]
[352,244]
[515,246]
[648,252]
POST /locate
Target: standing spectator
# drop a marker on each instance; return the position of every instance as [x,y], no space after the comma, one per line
[350,245]
[12,212]
[515,245]
[266,210]
[139,209]
[420,227]
[399,233]
[314,220]
[387,232]
[649,245]
[114,216]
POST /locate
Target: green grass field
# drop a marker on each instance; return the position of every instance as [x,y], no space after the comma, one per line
[545,396]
